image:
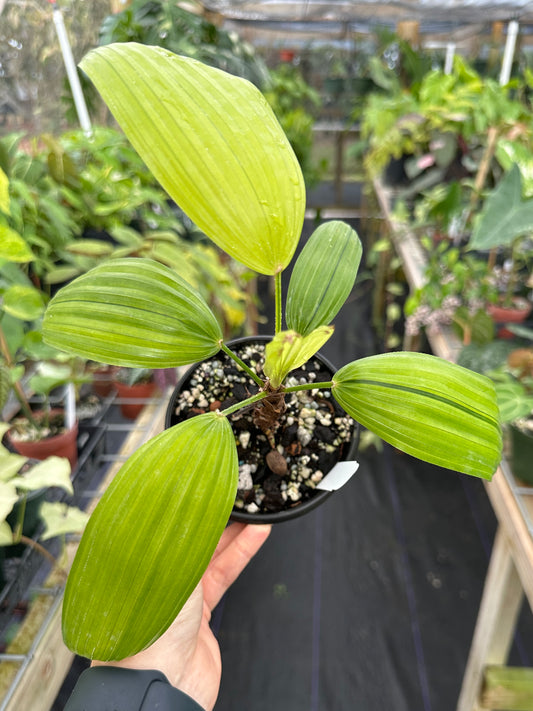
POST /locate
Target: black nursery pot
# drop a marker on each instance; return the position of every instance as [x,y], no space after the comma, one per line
[273,498]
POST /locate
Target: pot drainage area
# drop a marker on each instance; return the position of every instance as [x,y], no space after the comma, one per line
[370,601]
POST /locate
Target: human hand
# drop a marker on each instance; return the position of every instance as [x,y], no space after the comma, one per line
[188,653]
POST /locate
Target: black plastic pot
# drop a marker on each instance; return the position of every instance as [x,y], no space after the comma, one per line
[317,496]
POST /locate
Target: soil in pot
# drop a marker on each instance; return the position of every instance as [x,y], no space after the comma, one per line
[314,433]
[55,439]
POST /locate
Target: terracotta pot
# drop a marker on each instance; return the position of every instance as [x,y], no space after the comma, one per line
[137,394]
[103,384]
[62,445]
[512,314]
[310,497]
[286,55]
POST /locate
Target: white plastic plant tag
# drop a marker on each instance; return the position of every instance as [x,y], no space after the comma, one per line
[338,476]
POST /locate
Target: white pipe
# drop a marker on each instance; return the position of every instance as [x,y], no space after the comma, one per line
[507,63]
[70,406]
[450,53]
[72,73]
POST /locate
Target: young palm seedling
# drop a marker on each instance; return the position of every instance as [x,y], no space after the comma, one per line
[215,146]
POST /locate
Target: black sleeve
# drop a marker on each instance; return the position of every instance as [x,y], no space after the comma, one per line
[117,689]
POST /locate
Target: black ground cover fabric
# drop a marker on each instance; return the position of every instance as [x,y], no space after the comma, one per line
[368,603]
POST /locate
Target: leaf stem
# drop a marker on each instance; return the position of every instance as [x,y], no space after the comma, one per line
[17,387]
[277,282]
[242,364]
[42,550]
[308,386]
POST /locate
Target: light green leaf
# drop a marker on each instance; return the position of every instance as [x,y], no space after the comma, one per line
[4,193]
[24,302]
[213,143]
[132,312]
[10,464]
[60,519]
[129,581]
[289,350]
[90,247]
[425,406]
[8,498]
[13,247]
[323,276]
[509,152]
[505,216]
[60,275]
[53,471]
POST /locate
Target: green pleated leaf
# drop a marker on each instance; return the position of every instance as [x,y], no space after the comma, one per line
[435,410]
[132,312]
[149,540]
[289,350]
[213,143]
[323,276]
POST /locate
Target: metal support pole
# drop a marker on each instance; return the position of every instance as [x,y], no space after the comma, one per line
[72,73]
[512,32]
[448,61]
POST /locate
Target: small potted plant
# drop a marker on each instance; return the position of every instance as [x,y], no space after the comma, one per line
[25,515]
[44,430]
[134,387]
[214,144]
[506,224]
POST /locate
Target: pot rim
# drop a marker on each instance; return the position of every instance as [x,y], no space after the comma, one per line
[320,496]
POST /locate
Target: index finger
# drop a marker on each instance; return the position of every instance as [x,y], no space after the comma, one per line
[237,547]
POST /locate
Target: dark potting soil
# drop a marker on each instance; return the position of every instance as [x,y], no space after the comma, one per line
[280,464]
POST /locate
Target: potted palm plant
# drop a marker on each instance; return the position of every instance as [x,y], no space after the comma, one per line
[214,144]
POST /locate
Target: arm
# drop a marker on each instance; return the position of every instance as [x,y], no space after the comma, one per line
[107,687]
[182,668]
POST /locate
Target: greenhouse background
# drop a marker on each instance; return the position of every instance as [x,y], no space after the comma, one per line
[412,122]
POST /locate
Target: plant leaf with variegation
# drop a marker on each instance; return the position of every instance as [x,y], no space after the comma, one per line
[213,143]
[289,350]
[425,406]
[323,276]
[132,312]
[13,247]
[23,302]
[150,538]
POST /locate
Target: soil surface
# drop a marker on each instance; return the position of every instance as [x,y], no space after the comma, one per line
[280,464]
